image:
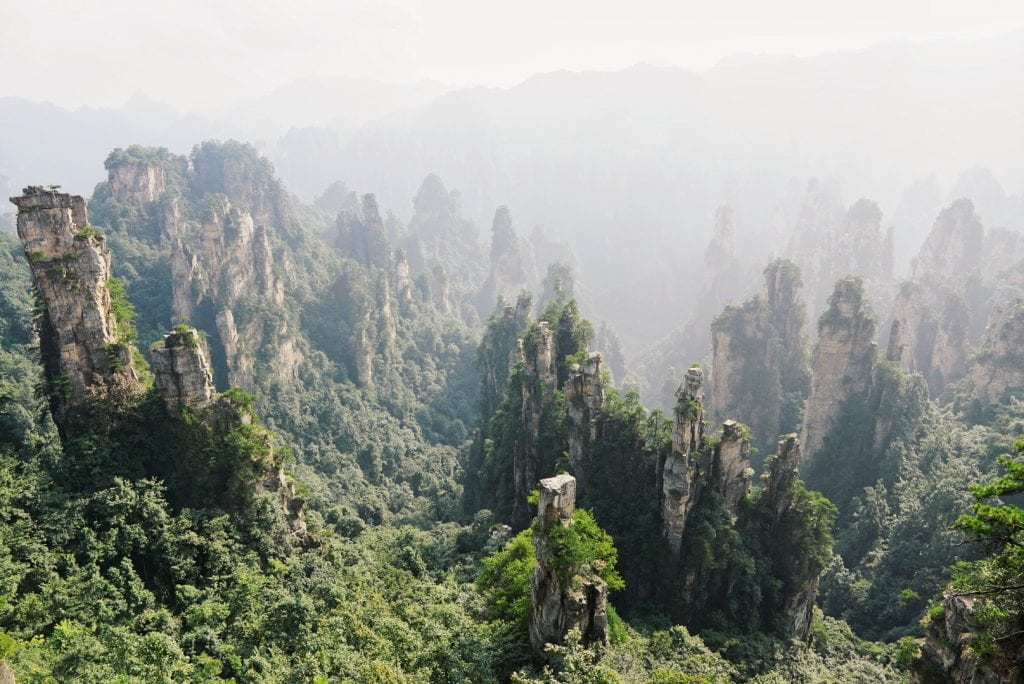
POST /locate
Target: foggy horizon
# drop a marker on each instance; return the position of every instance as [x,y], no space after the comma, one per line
[451,45]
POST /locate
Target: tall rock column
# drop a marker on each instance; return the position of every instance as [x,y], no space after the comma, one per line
[584,398]
[842,362]
[798,570]
[538,388]
[679,476]
[83,350]
[562,602]
[759,368]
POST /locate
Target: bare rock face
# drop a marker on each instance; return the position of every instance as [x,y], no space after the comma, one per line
[998,370]
[136,183]
[933,326]
[226,263]
[731,465]
[799,571]
[6,674]
[82,347]
[679,480]
[289,499]
[562,603]
[945,657]
[842,362]
[538,386]
[759,368]
[181,370]
[584,398]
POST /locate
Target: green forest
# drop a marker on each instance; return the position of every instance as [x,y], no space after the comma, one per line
[290,442]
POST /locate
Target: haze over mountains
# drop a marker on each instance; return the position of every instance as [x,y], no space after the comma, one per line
[627,166]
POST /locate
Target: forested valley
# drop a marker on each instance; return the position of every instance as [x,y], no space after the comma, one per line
[249,439]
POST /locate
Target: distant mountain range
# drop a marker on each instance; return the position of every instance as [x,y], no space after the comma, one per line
[633,162]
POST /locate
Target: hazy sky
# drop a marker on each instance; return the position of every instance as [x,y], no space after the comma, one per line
[206,54]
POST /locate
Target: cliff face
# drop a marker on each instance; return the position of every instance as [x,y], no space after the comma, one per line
[842,362]
[538,388]
[84,350]
[944,655]
[998,370]
[562,601]
[799,572]
[679,481]
[181,370]
[136,182]
[759,368]
[220,218]
[584,398]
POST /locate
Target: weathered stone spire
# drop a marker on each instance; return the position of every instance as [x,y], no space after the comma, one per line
[678,477]
[560,606]
[842,362]
[798,571]
[538,393]
[181,369]
[584,398]
[83,349]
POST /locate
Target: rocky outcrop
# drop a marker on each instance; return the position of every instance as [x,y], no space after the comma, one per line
[85,350]
[732,474]
[573,599]
[945,655]
[276,482]
[6,674]
[538,387]
[679,481]
[584,398]
[759,367]
[181,370]
[798,571]
[842,362]
[997,370]
[137,183]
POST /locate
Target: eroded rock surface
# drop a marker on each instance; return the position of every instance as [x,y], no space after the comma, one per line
[181,369]
[83,348]
[562,602]
[842,362]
